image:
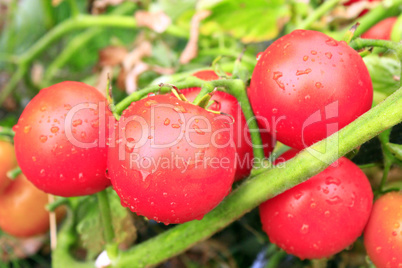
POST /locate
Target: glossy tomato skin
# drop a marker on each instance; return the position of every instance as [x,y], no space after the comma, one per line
[8,162]
[167,163]
[383,234]
[60,140]
[22,209]
[307,86]
[381,30]
[321,216]
[228,104]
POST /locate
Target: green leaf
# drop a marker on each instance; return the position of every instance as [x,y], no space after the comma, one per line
[383,71]
[251,21]
[90,228]
[395,149]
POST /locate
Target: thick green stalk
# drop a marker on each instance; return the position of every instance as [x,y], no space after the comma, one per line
[266,185]
[106,216]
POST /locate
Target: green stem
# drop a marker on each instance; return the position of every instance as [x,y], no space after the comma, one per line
[318,13]
[77,43]
[106,216]
[360,43]
[6,131]
[275,259]
[14,173]
[58,202]
[265,185]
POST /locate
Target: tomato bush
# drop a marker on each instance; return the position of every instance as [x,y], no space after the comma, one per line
[8,162]
[321,216]
[172,161]
[58,140]
[383,234]
[226,103]
[307,86]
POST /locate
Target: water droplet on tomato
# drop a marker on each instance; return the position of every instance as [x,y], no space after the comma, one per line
[198,130]
[305,58]
[43,108]
[329,55]
[259,55]
[173,204]
[77,122]
[180,109]
[313,52]
[276,77]
[167,122]
[164,194]
[175,126]
[301,72]
[318,85]
[307,97]
[81,177]
[313,205]
[331,42]
[150,137]
[304,229]
[43,138]
[298,195]
[34,158]
[274,110]
[331,180]
[42,173]
[149,103]
[327,213]
[334,200]
[54,129]
[378,249]
[27,129]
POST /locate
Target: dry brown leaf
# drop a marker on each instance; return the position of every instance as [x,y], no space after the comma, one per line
[156,21]
[144,49]
[112,55]
[191,49]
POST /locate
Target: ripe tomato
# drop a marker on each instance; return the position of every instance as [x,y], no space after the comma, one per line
[321,216]
[307,86]
[60,140]
[22,209]
[351,2]
[171,161]
[381,30]
[228,104]
[383,234]
[8,162]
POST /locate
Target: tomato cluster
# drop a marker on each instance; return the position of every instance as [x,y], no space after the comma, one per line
[173,161]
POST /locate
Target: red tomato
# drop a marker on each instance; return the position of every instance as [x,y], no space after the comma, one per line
[22,209]
[60,140]
[228,104]
[307,86]
[381,30]
[172,161]
[8,162]
[321,216]
[383,234]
